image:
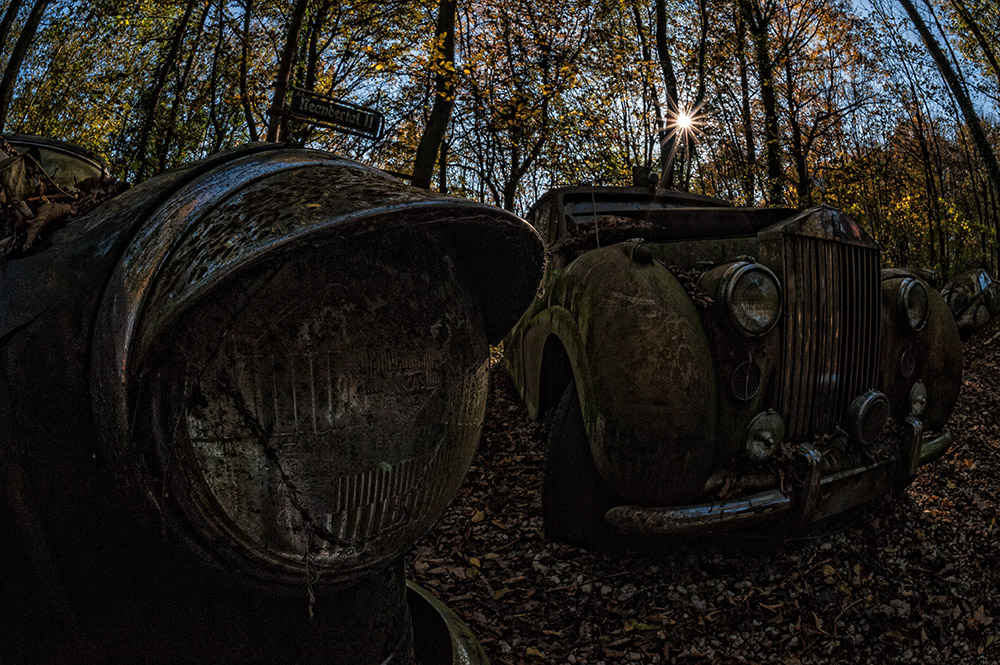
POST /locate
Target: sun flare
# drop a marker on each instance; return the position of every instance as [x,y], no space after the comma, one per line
[684,121]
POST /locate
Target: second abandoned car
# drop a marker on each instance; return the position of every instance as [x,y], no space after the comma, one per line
[713,366]
[974,299]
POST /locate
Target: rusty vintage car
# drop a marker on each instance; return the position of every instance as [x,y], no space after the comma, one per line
[711,367]
[233,397]
[974,299]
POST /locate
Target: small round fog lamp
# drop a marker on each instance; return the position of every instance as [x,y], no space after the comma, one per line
[918,398]
[765,432]
[867,416]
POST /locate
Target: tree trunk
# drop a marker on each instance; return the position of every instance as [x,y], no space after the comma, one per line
[443,168]
[803,186]
[8,20]
[699,96]
[152,97]
[648,86]
[984,45]
[930,187]
[979,137]
[171,123]
[244,87]
[758,22]
[668,138]
[749,168]
[17,54]
[443,62]
[275,123]
[218,130]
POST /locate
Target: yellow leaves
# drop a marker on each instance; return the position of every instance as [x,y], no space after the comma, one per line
[636,624]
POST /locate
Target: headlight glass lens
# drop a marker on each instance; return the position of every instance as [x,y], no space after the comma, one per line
[754,298]
[914,303]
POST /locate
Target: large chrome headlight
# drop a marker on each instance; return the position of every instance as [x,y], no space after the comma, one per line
[868,416]
[913,302]
[752,296]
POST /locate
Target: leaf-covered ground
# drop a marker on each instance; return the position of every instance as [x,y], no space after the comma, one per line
[908,579]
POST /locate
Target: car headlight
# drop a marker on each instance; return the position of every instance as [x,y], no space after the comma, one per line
[913,302]
[309,377]
[868,416]
[752,296]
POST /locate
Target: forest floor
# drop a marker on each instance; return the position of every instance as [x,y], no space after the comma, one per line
[913,578]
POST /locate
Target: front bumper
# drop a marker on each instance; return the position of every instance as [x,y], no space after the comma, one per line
[812,498]
[439,636]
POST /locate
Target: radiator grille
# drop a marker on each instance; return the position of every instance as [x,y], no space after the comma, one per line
[831,321]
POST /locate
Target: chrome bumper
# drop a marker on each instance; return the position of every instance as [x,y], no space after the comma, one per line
[813,499]
[439,636]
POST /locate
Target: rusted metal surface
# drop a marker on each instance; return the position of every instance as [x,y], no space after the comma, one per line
[256,381]
[933,447]
[666,384]
[318,303]
[831,325]
[703,518]
[843,364]
[932,356]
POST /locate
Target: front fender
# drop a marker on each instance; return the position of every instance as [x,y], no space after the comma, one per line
[649,402]
[932,355]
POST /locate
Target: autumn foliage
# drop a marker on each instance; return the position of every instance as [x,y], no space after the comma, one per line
[791,103]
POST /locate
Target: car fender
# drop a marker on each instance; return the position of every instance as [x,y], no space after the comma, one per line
[558,322]
[644,372]
[932,355]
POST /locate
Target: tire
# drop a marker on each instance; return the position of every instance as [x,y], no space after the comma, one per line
[574,496]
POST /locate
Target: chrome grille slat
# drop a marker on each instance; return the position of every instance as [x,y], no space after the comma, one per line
[836,336]
[831,317]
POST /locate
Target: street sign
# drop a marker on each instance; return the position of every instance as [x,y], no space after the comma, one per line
[338,114]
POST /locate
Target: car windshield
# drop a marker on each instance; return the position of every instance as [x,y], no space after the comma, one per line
[624,213]
[66,165]
[586,211]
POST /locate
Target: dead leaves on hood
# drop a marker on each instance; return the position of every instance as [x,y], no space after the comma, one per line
[32,204]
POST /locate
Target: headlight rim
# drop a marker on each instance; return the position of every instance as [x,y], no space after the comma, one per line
[731,278]
[906,288]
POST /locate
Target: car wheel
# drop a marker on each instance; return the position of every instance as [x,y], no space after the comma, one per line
[574,496]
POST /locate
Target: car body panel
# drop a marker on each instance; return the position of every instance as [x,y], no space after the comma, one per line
[634,309]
